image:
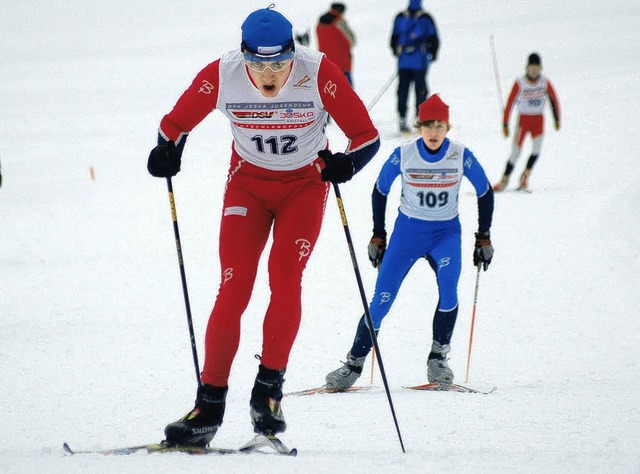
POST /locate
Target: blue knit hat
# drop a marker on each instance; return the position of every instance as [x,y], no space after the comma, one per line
[267,33]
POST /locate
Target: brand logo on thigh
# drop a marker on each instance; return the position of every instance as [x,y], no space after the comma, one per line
[227,275]
[305,248]
[385,297]
[444,262]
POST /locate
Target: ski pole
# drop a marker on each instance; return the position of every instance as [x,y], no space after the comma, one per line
[496,71]
[473,321]
[375,100]
[382,91]
[367,313]
[176,232]
[373,365]
[373,358]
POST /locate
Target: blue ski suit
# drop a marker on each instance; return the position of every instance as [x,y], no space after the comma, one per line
[427,226]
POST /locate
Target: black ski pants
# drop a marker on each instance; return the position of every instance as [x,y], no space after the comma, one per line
[419,79]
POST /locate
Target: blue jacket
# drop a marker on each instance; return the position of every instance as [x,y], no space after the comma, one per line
[414,39]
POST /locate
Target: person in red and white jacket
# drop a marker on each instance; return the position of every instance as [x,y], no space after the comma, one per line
[277,97]
[528,94]
[336,39]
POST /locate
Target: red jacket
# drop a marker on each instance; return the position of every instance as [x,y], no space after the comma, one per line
[335,39]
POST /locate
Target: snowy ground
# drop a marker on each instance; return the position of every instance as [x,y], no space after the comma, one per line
[93,342]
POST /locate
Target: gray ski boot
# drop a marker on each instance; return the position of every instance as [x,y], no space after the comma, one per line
[402,125]
[346,376]
[438,369]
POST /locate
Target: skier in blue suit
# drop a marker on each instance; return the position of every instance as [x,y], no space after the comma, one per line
[415,41]
[431,169]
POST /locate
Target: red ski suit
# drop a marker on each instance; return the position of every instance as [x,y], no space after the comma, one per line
[273,182]
[529,98]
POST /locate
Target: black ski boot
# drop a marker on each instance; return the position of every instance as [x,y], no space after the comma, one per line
[266,396]
[199,426]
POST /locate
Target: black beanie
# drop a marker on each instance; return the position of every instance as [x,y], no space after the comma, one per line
[534,58]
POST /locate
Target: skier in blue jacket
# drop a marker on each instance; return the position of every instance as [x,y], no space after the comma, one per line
[414,40]
[431,170]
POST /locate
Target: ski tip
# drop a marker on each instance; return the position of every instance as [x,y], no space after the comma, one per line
[293,452]
[67,449]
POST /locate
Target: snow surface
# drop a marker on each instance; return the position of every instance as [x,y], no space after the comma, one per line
[94,347]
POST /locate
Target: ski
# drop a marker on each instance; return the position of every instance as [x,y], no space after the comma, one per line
[150,449]
[317,390]
[259,444]
[448,387]
[271,442]
[434,387]
[109,452]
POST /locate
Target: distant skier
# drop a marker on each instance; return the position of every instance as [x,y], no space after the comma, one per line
[431,169]
[529,94]
[336,39]
[415,42]
[277,97]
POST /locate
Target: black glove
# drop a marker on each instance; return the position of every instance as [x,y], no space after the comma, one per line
[164,160]
[376,249]
[483,252]
[339,167]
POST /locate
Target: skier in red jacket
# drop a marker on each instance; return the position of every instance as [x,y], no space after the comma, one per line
[336,39]
[528,94]
[277,96]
